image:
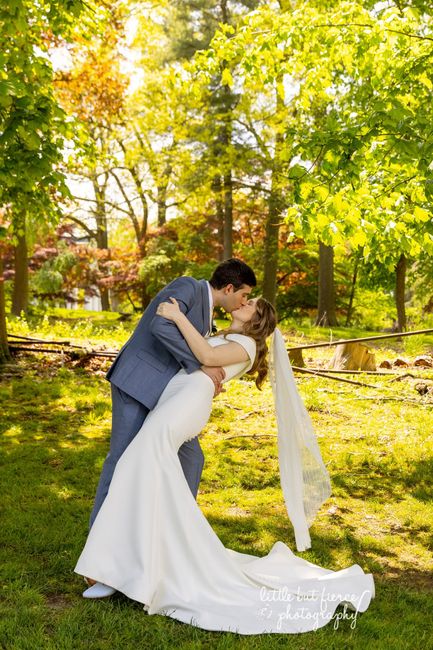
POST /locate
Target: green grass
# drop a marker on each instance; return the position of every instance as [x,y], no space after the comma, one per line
[54,434]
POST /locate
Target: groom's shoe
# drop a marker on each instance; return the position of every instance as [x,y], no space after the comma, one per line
[99,590]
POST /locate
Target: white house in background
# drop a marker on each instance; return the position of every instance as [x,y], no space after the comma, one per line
[90,303]
[93,303]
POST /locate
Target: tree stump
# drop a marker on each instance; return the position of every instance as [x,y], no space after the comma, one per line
[352,356]
[296,358]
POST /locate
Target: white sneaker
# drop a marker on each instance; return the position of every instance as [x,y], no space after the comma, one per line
[99,590]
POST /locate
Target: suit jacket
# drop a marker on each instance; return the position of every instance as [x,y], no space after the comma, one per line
[157,350]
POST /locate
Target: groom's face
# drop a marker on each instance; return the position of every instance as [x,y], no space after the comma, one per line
[235,298]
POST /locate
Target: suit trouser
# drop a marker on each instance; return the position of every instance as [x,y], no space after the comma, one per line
[128,416]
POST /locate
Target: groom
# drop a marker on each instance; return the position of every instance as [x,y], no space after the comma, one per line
[156,351]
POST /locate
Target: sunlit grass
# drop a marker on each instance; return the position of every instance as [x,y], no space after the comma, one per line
[55,424]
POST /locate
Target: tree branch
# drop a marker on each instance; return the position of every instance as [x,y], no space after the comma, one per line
[91,233]
[131,212]
[109,203]
[370,25]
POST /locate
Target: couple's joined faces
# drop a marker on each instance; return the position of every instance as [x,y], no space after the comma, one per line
[235,299]
[247,311]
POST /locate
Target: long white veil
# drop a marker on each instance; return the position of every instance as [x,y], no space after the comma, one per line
[304,477]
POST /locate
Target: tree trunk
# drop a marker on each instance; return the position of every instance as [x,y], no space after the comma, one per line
[219,213]
[352,292]
[102,232]
[228,216]
[400,287]
[223,182]
[272,224]
[326,305]
[4,348]
[20,295]
[162,195]
[105,299]
[272,229]
[162,206]
[145,298]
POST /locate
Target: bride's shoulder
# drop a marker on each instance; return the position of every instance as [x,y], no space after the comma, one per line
[235,336]
[246,341]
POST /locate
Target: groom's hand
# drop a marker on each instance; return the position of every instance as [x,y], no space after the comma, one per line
[217,375]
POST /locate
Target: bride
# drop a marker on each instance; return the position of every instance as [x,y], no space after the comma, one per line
[151,541]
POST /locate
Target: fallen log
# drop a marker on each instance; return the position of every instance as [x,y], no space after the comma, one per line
[85,352]
[26,340]
[357,372]
[365,338]
[345,381]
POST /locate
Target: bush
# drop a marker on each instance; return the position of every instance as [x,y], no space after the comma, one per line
[373,309]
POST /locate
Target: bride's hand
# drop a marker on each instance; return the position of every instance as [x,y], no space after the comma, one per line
[169,310]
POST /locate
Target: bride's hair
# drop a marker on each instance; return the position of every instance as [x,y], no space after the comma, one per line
[261,325]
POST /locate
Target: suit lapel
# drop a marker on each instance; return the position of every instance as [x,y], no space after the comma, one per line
[205,307]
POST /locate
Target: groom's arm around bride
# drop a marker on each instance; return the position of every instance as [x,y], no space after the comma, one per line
[155,352]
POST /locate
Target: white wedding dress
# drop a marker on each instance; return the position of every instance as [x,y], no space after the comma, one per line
[151,541]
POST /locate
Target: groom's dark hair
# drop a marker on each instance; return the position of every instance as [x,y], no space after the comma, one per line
[232,271]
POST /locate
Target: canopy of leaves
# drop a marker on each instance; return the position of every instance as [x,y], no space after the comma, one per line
[32,125]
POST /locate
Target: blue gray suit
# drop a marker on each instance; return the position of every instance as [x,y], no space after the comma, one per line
[155,352]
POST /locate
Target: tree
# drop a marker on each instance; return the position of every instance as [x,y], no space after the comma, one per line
[359,88]
[31,122]
[326,315]
[191,28]
[93,92]
[4,349]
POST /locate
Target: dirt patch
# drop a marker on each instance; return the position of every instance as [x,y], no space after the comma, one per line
[57,601]
[416,580]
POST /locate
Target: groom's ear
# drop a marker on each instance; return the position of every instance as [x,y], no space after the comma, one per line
[229,288]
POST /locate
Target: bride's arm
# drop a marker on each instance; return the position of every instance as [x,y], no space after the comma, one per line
[207,354]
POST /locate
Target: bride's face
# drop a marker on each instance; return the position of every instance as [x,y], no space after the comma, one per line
[245,312]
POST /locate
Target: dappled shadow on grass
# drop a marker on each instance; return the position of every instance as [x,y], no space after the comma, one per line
[48,486]
[374,556]
[421,479]
[392,483]
[52,409]
[248,530]
[52,424]
[46,532]
[244,475]
[54,434]
[406,578]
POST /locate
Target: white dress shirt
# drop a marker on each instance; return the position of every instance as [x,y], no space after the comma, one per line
[210,309]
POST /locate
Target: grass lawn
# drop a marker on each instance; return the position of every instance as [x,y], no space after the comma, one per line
[55,423]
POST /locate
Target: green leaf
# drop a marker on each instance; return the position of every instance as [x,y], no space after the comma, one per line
[226,78]
[428,189]
[297,171]
[359,239]
[421,215]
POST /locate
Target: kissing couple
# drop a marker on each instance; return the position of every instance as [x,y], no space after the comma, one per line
[148,538]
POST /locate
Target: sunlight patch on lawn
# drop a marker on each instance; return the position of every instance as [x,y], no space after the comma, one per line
[379,455]
[63,493]
[13,432]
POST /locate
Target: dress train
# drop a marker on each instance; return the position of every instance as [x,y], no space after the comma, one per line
[151,541]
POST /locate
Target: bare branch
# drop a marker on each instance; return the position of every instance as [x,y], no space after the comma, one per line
[131,213]
[109,203]
[90,232]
